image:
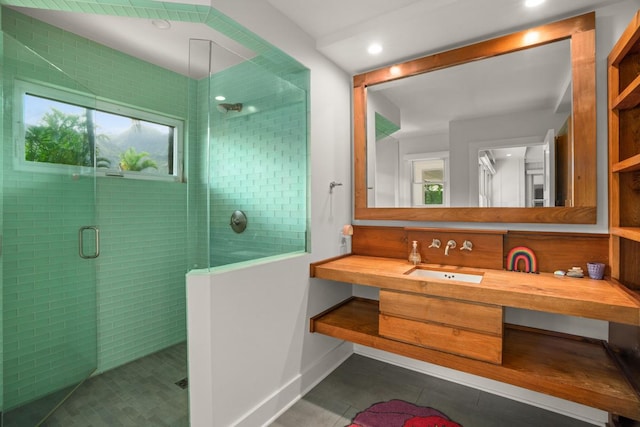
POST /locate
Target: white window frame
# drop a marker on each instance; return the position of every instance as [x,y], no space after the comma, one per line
[409,159]
[80,99]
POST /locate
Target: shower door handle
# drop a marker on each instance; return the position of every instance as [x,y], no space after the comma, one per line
[81,231]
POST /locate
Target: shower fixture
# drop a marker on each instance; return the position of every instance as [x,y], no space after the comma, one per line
[225,108]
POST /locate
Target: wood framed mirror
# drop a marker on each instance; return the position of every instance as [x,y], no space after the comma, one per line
[577,205]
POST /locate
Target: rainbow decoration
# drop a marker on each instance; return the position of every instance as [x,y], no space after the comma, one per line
[522,253]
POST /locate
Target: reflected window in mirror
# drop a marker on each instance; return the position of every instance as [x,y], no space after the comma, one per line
[429,187]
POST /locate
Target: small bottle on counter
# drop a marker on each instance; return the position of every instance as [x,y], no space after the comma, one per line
[414,256]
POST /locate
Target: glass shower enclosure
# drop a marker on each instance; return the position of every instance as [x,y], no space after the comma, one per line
[247,157]
[49,242]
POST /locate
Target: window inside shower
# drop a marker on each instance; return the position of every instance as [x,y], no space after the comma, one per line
[57,129]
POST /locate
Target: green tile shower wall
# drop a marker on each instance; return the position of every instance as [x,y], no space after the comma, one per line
[1,228]
[261,171]
[104,72]
[198,186]
[141,269]
[258,166]
[140,276]
[47,319]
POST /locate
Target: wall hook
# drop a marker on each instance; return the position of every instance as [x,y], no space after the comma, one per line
[332,185]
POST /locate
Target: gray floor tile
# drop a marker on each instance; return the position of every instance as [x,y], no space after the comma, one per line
[143,393]
[361,382]
[360,390]
[306,413]
[140,393]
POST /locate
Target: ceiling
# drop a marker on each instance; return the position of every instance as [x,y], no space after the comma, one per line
[410,28]
[342,31]
[407,29]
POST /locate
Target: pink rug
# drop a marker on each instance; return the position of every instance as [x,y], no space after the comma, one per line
[398,413]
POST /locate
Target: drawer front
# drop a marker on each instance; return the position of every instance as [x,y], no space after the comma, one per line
[479,317]
[462,342]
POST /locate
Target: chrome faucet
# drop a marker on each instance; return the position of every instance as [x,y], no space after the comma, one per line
[435,243]
[450,244]
[467,246]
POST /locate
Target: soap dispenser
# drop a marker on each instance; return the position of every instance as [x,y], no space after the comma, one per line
[414,256]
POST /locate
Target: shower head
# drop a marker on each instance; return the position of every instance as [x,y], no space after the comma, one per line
[225,108]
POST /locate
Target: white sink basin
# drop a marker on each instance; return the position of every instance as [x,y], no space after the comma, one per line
[446,275]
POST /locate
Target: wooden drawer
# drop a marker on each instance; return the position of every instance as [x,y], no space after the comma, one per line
[463,342]
[478,317]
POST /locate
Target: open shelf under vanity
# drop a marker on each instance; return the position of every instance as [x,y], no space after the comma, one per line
[574,368]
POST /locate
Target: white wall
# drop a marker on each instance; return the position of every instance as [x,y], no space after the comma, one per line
[250,352]
[508,183]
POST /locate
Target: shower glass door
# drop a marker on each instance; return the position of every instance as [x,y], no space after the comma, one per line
[49,238]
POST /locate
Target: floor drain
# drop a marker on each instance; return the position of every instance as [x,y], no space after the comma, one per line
[183,383]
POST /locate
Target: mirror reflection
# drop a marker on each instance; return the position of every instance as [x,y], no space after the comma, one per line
[489,133]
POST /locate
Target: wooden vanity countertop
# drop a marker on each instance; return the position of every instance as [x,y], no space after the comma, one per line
[583,297]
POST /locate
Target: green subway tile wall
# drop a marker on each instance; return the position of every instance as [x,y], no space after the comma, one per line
[1,228]
[140,272]
[258,165]
[141,269]
[49,302]
[197,155]
[49,295]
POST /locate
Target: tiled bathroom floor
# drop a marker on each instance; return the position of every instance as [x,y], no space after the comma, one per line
[360,382]
[142,393]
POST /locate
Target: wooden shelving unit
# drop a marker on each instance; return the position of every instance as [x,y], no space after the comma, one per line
[630,233]
[573,368]
[624,194]
[624,154]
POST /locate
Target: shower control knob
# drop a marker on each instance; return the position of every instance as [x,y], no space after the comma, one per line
[238,221]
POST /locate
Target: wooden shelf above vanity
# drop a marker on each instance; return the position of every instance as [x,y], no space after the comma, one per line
[568,367]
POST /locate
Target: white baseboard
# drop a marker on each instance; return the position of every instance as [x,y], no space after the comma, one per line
[283,398]
[550,403]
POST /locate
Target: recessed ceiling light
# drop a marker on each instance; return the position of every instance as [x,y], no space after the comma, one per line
[533,3]
[161,24]
[220,98]
[374,48]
